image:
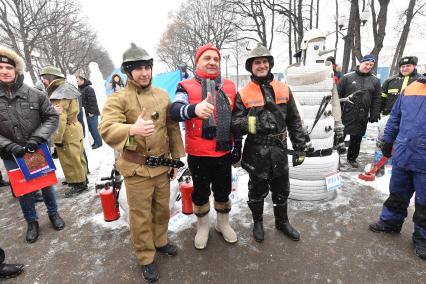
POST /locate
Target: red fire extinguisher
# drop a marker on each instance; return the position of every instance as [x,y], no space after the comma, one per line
[186,189]
[109,196]
[110,205]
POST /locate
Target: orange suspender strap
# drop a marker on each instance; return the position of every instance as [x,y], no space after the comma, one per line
[251,94]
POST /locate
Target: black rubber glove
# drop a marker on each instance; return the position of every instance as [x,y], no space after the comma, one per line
[309,148]
[236,152]
[374,119]
[387,149]
[16,150]
[33,144]
[298,158]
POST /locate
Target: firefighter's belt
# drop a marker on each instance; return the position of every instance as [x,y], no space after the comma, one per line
[278,140]
[150,161]
[317,153]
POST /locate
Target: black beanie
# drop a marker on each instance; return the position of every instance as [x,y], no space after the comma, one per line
[5,59]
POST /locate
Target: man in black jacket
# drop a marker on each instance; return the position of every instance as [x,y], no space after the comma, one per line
[360,93]
[393,86]
[91,109]
[27,119]
[265,109]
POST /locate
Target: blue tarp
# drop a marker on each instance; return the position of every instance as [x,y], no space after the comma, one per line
[167,81]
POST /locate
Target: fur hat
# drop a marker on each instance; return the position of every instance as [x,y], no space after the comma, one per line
[9,56]
[407,60]
[203,49]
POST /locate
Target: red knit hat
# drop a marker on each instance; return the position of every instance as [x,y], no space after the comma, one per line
[203,49]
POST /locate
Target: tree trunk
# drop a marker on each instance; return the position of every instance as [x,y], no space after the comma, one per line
[299,21]
[336,28]
[290,52]
[316,23]
[379,28]
[403,38]
[347,49]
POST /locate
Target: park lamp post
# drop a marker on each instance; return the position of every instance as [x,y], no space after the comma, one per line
[226,57]
[342,22]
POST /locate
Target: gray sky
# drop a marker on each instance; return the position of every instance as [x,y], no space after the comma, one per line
[120,22]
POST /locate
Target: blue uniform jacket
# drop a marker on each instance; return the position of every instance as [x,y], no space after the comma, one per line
[406,128]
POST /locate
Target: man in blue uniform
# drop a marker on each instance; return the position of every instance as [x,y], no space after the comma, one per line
[406,128]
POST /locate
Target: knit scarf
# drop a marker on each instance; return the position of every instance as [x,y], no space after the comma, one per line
[221,127]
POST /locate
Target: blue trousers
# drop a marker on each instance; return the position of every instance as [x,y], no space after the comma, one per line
[402,186]
[27,201]
[92,123]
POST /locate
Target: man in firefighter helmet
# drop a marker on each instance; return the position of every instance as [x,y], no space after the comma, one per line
[264,110]
[135,121]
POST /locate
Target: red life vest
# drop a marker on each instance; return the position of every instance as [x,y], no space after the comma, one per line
[251,95]
[195,144]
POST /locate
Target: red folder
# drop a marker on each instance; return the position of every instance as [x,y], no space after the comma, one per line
[20,186]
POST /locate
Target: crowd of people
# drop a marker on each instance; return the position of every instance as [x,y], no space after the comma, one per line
[140,121]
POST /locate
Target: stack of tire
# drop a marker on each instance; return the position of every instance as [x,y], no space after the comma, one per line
[309,85]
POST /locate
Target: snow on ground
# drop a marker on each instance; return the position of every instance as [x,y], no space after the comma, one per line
[101,162]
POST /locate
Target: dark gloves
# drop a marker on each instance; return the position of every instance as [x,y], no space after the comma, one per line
[298,158]
[374,119]
[309,148]
[15,149]
[33,144]
[386,149]
[236,152]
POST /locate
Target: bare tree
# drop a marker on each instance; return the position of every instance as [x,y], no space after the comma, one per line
[379,27]
[409,13]
[352,47]
[257,20]
[22,24]
[48,32]
[196,23]
[349,38]
[294,12]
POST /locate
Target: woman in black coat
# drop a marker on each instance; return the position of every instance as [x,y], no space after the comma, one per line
[90,104]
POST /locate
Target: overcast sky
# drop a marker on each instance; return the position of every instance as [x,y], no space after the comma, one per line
[120,22]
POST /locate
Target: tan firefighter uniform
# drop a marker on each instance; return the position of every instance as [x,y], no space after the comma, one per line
[68,137]
[147,188]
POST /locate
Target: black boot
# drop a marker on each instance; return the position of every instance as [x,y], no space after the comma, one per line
[419,244]
[4,183]
[382,227]
[32,232]
[57,222]
[256,207]
[10,270]
[75,189]
[150,272]
[169,249]
[282,223]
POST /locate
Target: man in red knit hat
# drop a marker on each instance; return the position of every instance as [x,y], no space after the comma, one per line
[205,103]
